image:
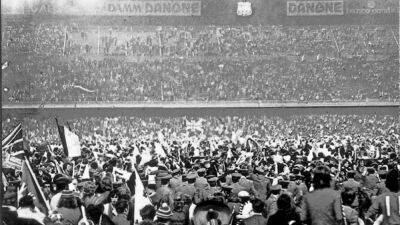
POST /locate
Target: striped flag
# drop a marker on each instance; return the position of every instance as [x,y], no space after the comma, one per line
[70,141]
[13,140]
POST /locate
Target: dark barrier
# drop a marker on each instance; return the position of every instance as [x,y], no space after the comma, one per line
[224,12]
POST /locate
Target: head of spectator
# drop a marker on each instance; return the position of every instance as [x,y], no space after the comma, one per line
[392,180]
[322,177]
[148,213]
[68,200]
[284,202]
[258,205]
[164,213]
[27,202]
[122,207]
[348,197]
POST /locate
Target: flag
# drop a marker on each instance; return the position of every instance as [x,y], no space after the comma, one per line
[13,140]
[140,200]
[86,174]
[29,178]
[4,66]
[195,125]
[82,88]
[5,182]
[70,141]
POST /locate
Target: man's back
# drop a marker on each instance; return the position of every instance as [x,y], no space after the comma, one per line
[322,206]
[391,215]
[255,220]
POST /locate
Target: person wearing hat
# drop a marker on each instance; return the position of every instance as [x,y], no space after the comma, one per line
[68,208]
[236,187]
[245,207]
[201,181]
[164,214]
[61,181]
[165,193]
[271,204]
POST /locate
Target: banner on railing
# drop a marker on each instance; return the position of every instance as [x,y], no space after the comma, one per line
[315,8]
[103,7]
[372,7]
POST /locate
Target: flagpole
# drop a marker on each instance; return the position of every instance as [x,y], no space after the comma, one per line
[98,40]
[65,40]
[37,184]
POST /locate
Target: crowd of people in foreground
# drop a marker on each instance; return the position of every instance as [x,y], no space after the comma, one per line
[50,63]
[303,169]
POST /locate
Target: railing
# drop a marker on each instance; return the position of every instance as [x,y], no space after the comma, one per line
[199,104]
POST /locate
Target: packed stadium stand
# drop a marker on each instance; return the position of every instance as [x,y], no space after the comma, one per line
[52,62]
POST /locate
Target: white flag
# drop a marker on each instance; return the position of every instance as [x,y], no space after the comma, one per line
[72,141]
[140,200]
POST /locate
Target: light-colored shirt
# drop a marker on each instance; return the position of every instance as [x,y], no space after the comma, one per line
[28,213]
[54,201]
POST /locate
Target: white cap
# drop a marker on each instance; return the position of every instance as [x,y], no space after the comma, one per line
[243,194]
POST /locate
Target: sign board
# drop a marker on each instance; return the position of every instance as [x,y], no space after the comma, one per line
[244,9]
[153,8]
[372,7]
[315,8]
[103,7]
[13,162]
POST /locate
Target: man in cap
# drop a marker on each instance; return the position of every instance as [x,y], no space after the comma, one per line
[271,206]
[245,207]
[165,193]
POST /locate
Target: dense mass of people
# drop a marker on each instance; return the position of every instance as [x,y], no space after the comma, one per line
[301,169]
[54,62]
[276,79]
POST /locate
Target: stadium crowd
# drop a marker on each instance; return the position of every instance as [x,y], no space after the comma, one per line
[51,62]
[277,79]
[302,169]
